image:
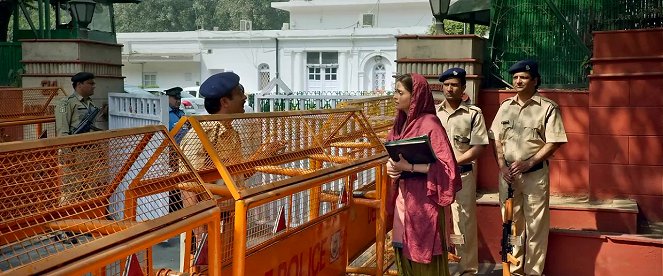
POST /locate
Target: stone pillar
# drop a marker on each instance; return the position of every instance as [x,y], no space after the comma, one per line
[430,55]
[54,61]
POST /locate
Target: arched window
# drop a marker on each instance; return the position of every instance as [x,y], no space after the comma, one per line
[263,75]
[379,77]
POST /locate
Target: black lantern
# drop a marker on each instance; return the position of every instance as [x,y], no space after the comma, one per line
[82,11]
[440,8]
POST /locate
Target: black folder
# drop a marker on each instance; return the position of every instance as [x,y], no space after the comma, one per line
[416,150]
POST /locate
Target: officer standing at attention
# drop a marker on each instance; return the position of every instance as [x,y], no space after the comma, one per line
[70,111]
[174,115]
[174,101]
[527,130]
[466,129]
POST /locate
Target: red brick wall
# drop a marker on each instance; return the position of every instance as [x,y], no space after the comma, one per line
[626,138]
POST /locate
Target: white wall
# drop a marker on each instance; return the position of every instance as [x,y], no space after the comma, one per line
[240,56]
[169,74]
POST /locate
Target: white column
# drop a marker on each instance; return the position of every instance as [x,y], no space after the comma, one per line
[298,73]
[343,71]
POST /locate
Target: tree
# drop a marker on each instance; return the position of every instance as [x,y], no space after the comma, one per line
[455,28]
[155,16]
[188,15]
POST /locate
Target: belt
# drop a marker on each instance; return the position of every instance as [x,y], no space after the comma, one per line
[533,168]
[465,168]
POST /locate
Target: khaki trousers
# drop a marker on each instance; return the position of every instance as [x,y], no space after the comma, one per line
[464,213]
[531,217]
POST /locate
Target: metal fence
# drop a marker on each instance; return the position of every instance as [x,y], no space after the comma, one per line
[559,35]
[128,110]
[10,63]
[306,100]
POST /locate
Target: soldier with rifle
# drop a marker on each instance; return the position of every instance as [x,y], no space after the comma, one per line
[76,114]
[71,112]
[527,130]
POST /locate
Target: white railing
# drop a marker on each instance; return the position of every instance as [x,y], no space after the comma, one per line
[305,100]
[128,110]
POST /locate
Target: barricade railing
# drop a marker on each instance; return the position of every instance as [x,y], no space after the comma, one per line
[28,113]
[99,202]
[284,182]
[380,112]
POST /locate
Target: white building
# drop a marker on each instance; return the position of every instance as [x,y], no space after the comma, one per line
[346,45]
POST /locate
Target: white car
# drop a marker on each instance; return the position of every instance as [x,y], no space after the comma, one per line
[193,103]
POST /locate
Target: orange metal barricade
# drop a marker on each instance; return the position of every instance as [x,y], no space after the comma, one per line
[99,203]
[28,113]
[380,112]
[284,182]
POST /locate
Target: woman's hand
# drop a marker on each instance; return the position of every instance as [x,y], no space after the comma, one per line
[394,168]
[391,169]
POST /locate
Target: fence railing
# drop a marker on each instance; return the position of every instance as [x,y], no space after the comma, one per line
[28,113]
[128,110]
[10,63]
[559,35]
[307,100]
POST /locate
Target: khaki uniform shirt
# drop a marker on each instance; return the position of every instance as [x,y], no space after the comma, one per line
[465,127]
[226,143]
[69,112]
[524,130]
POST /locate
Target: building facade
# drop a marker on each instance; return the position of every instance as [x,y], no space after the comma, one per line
[339,46]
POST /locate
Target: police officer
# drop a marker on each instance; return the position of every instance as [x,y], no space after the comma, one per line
[174,101]
[77,180]
[527,130]
[466,130]
[71,110]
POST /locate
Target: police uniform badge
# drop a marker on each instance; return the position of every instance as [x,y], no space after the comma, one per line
[455,73]
[527,67]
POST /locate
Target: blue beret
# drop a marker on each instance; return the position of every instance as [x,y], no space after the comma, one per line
[219,85]
[453,73]
[81,77]
[527,65]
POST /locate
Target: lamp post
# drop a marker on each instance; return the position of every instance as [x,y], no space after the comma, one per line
[82,11]
[440,8]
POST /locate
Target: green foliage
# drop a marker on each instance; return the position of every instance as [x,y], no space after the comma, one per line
[189,15]
[14,77]
[455,28]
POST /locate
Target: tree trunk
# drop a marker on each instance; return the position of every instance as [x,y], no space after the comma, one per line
[6,9]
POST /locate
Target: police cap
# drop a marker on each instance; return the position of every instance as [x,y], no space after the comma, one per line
[458,73]
[174,92]
[81,77]
[219,85]
[527,65]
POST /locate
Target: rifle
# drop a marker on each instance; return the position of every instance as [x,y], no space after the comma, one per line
[508,233]
[86,124]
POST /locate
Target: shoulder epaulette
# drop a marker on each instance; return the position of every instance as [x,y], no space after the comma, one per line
[474,107]
[553,103]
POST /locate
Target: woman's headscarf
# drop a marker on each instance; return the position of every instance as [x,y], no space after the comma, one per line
[421,103]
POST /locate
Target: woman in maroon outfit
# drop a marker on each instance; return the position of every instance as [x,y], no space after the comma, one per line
[417,200]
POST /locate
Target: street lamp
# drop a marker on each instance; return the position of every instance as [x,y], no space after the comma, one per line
[82,11]
[440,8]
